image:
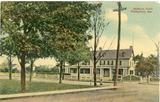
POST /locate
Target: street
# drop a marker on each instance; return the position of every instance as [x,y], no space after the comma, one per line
[130,92]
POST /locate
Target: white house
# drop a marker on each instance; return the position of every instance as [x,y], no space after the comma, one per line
[105,66]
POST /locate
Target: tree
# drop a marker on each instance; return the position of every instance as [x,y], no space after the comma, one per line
[153,64]
[98,28]
[7,47]
[72,20]
[31,57]
[145,66]
[52,27]
[25,24]
[82,53]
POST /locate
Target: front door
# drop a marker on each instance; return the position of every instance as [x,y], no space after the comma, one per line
[120,72]
[106,72]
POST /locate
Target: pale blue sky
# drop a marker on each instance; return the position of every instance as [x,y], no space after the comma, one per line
[140,28]
[149,21]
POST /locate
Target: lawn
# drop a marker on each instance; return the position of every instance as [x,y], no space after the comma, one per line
[13,86]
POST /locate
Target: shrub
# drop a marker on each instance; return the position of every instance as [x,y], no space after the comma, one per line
[131,78]
[46,70]
[5,69]
[42,69]
[155,79]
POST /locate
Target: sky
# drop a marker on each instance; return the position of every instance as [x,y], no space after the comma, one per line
[140,28]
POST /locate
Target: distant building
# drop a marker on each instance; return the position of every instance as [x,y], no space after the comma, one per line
[105,66]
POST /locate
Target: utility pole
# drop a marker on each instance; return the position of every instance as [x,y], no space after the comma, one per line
[158,59]
[118,41]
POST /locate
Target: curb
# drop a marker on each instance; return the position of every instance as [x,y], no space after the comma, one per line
[60,92]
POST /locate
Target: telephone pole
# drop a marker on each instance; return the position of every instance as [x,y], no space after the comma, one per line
[118,41]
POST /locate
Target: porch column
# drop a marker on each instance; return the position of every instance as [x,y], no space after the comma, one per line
[101,72]
[110,72]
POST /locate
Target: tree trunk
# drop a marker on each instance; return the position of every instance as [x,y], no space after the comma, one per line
[60,72]
[94,55]
[31,70]
[10,67]
[23,75]
[94,73]
[78,71]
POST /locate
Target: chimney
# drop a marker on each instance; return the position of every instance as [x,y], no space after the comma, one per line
[100,48]
[131,47]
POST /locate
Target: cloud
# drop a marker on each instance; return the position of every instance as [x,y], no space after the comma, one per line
[113,16]
[138,31]
[157,37]
[141,43]
[104,42]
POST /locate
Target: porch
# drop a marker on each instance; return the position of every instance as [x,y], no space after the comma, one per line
[104,73]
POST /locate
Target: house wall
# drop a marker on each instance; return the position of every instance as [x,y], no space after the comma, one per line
[126,65]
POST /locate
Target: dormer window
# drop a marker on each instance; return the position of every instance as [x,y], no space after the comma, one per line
[102,62]
[86,63]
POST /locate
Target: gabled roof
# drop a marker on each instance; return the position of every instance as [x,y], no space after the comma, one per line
[111,54]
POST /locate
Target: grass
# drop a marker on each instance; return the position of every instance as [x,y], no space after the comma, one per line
[13,86]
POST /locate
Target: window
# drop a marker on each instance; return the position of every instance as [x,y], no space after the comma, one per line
[120,72]
[120,62]
[73,70]
[102,62]
[131,72]
[98,71]
[106,72]
[85,71]
[112,63]
[107,62]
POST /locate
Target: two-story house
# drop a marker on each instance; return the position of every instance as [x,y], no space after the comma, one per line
[105,66]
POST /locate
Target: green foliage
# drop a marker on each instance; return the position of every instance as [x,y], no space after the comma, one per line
[47,28]
[155,79]
[6,69]
[43,29]
[46,70]
[82,53]
[146,66]
[131,78]
[13,86]
[42,69]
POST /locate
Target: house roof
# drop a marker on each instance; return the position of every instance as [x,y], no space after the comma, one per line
[111,54]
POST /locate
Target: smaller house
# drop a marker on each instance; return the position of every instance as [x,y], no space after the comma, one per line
[105,66]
